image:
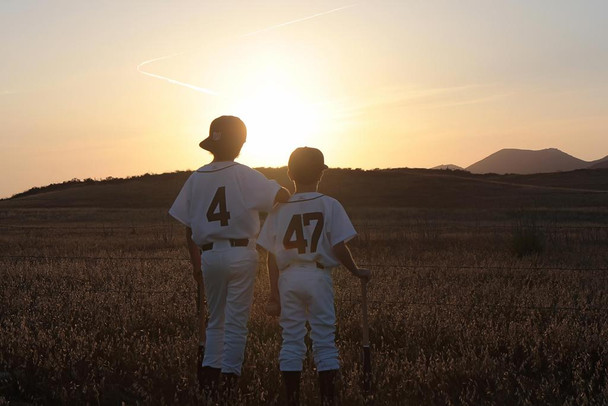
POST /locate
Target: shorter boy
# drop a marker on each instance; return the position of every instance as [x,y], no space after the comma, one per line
[305,238]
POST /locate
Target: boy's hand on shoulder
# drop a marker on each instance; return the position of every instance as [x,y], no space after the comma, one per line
[272,308]
[364,274]
[282,196]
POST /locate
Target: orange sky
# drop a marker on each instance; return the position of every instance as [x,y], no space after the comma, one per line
[372,84]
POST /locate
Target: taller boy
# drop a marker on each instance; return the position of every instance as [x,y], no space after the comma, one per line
[219,204]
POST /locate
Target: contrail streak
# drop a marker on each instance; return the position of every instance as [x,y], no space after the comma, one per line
[212,92]
[298,20]
[170,80]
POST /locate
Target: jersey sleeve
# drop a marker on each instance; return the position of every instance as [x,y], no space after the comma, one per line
[268,236]
[259,192]
[340,227]
[180,210]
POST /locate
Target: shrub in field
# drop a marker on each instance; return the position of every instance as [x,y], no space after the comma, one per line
[528,238]
[527,241]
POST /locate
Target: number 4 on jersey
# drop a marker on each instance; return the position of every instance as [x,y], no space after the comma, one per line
[217,210]
[294,235]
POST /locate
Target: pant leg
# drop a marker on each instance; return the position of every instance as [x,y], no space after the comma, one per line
[242,265]
[292,321]
[215,279]
[322,319]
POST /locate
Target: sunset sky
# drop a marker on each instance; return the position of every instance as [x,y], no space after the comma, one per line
[113,88]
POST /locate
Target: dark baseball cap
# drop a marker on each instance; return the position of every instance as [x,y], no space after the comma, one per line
[305,160]
[225,131]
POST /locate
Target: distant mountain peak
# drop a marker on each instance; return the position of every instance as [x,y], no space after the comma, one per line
[532,150]
[525,161]
[600,163]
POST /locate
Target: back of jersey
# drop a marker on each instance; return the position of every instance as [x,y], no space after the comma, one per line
[306,229]
[222,200]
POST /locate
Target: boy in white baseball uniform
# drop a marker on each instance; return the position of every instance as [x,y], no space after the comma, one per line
[305,238]
[219,204]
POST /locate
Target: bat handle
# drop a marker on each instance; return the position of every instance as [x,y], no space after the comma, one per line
[365,332]
[201,305]
[367,363]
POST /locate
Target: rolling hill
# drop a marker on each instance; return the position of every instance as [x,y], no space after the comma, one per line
[423,188]
[450,167]
[600,163]
[522,161]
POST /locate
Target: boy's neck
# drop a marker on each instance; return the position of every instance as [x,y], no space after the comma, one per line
[222,160]
[306,188]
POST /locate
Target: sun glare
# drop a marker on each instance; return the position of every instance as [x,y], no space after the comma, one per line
[276,90]
[278,121]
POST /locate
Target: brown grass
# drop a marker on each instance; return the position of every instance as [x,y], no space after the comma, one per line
[456,316]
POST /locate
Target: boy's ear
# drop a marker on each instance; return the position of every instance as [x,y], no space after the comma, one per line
[289,175]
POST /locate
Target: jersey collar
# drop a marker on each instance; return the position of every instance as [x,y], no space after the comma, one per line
[216,166]
[299,197]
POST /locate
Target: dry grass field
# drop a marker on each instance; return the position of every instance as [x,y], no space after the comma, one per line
[497,306]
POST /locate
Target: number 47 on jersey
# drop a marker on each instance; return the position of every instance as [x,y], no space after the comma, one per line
[294,235]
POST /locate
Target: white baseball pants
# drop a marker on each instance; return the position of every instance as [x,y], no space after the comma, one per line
[229,275]
[307,295]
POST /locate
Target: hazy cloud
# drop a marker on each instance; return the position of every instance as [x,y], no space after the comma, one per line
[479,100]
[397,96]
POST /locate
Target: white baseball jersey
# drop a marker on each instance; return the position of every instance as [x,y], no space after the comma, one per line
[306,229]
[222,200]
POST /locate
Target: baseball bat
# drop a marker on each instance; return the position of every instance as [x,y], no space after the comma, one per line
[201,307]
[367,362]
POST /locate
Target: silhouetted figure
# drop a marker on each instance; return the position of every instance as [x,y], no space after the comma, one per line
[305,239]
[219,204]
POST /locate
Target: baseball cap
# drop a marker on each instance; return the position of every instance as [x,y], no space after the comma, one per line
[305,160]
[225,131]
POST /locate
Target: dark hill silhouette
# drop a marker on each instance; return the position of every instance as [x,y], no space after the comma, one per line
[404,187]
[523,161]
[600,163]
[450,167]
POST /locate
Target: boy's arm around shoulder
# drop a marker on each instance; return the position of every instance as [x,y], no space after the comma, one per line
[259,192]
[343,254]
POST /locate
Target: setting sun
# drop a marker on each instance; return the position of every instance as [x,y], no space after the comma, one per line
[278,121]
